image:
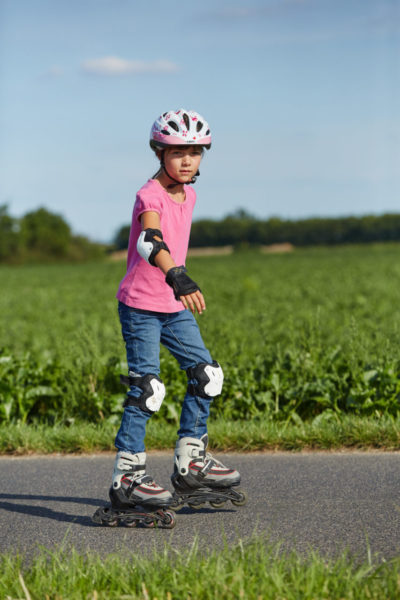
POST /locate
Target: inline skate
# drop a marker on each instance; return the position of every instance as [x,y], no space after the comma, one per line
[198,477]
[135,497]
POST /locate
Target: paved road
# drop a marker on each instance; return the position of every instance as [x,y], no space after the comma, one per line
[321,501]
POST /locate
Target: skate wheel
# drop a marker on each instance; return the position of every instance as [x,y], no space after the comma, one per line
[130,523]
[169,520]
[241,501]
[112,523]
[197,505]
[149,522]
[176,507]
[217,504]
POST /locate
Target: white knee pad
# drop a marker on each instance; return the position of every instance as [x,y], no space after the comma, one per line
[209,378]
[153,391]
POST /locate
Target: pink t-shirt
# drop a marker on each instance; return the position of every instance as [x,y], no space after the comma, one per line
[144,285]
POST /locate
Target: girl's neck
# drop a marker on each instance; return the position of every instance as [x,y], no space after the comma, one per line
[177,192]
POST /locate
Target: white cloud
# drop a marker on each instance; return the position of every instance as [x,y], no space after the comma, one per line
[113,65]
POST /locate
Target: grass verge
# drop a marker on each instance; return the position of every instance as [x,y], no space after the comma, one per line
[348,432]
[252,570]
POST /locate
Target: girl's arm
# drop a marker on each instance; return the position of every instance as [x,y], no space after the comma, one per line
[164,261]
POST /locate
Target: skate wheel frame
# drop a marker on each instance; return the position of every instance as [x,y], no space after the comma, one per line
[216,497]
[108,517]
[105,516]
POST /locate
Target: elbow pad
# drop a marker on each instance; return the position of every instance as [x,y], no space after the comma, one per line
[148,247]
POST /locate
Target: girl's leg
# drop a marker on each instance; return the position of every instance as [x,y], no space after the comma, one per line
[181,335]
[194,467]
[141,332]
[131,486]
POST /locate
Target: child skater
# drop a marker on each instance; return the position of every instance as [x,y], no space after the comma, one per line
[157,303]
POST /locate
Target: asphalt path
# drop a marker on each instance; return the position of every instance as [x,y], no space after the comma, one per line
[318,501]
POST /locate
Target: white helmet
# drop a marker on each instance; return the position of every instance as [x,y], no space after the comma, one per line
[179,128]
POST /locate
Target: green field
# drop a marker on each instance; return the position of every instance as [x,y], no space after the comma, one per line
[253,570]
[304,336]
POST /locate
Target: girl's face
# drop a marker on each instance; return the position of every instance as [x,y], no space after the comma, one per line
[182,162]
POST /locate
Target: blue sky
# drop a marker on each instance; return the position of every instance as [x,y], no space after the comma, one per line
[302,97]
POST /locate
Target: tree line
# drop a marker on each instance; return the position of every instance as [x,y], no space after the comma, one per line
[241,228]
[41,236]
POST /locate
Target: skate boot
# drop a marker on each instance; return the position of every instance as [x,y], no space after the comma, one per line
[135,497]
[198,477]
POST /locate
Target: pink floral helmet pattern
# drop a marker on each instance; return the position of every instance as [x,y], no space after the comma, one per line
[180,127]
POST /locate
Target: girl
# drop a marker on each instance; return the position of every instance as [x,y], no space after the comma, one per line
[157,303]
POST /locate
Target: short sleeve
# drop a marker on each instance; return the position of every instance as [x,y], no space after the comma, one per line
[146,200]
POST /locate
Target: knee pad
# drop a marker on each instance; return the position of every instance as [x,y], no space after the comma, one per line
[153,391]
[209,379]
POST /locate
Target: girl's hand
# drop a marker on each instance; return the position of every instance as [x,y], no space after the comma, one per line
[185,289]
[193,302]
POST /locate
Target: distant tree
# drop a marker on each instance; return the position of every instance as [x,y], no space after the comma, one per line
[81,249]
[241,228]
[44,234]
[205,232]
[9,235]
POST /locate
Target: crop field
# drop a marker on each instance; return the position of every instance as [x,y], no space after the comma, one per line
[302,336]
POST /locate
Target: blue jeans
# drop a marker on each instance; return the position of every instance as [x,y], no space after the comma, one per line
[143,331]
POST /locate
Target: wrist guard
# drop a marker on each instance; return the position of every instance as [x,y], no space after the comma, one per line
[148,247]
[180,282]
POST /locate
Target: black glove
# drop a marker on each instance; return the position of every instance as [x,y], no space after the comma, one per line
[180,282]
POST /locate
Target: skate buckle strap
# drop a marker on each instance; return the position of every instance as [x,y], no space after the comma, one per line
[124,464]
[193,452]
[206,469]
[144,479]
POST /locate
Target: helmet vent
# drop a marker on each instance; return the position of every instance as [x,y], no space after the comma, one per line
[208,132]
[173,125]
[199,126]
[186,119]
[165,132]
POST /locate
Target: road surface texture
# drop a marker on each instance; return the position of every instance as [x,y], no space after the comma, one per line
[320,501]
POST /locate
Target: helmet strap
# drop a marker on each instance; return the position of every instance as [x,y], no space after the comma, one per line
[172,185]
